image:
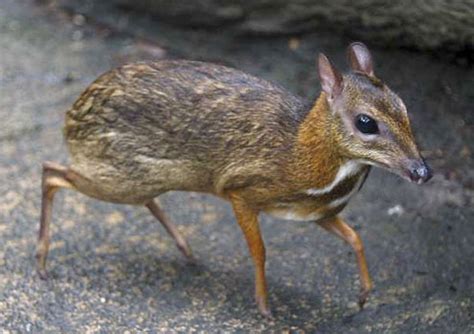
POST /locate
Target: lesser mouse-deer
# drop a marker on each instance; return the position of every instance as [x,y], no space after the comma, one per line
[145,129]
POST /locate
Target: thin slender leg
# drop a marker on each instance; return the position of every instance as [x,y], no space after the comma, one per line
[54,177]
[170,228]
[338,227]
[248,222]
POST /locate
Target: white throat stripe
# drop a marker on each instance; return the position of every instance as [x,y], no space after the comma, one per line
[349,168]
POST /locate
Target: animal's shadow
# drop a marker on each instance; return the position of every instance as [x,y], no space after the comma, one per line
[174,283]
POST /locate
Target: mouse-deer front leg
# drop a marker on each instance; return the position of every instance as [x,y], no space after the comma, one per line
[247,218]
[338,227]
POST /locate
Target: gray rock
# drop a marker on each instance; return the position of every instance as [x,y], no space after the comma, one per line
[418,24]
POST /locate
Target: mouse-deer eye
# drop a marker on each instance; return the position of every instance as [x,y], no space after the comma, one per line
[366,124]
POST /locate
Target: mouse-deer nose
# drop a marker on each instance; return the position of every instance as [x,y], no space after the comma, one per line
[419,171]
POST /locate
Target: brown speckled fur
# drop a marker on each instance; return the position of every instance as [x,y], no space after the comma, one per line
[147,128]
[144,129]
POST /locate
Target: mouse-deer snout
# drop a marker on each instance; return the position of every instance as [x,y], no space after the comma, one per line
[418,171]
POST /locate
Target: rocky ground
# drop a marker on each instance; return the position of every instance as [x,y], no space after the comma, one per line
[115,270]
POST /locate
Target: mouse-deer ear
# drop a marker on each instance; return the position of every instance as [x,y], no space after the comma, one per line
[360,58]
[331,79]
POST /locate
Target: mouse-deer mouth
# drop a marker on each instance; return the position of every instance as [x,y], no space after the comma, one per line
[418,171]
[413,170]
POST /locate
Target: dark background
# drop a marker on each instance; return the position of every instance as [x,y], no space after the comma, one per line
[114,269]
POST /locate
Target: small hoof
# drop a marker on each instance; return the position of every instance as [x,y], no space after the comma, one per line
[363,296]
[263,308]
[187,252]
[191,260]
[43,274]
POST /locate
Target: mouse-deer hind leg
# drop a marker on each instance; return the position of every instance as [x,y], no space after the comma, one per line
[54,178]
[170,228]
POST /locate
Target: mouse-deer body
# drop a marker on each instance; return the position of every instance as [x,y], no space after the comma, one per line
[148,128]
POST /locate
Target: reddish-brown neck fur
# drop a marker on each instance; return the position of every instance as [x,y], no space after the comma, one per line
[316,155]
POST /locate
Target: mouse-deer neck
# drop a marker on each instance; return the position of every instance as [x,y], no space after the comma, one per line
[317,158]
